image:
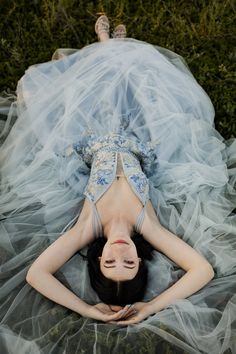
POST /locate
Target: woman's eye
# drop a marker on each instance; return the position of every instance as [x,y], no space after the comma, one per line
[129,262]
[109,261]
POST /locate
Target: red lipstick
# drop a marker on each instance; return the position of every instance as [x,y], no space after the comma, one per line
[121,241]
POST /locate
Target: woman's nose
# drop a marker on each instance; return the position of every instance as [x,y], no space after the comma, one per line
[119,251]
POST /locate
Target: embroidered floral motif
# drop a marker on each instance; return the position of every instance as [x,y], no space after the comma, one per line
[102,180]
[101,153]
[140,182]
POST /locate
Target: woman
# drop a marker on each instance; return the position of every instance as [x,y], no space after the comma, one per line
[117,139]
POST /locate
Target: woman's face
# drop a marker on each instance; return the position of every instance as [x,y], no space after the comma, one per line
[119,261]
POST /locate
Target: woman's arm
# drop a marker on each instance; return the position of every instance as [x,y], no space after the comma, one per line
[171,245]
[49,286]
[40,277]
[198,270]
[192,281]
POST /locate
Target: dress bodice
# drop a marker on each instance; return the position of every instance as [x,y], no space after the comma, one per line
[102,154]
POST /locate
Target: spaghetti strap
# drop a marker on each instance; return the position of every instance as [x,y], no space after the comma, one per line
[96,223]
[140,219]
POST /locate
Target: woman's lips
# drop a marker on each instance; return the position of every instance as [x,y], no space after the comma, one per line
[121,241]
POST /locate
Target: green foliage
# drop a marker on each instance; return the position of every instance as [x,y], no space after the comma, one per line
[202,31]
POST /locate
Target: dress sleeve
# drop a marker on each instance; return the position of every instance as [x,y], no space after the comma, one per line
[82,148]
[148,157]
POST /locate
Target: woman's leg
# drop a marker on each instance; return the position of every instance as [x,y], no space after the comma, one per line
[103,37]
[102,28]
[119,31]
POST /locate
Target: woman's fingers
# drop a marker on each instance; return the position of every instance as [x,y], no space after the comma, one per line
[127,322]
[119,314]
[127,311]
[115,308]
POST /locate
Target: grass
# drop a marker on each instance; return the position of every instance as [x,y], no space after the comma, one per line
[202,31]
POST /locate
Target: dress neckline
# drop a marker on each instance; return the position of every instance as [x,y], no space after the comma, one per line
[97,221]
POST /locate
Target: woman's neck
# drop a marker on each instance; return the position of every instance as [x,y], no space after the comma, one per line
[118,226]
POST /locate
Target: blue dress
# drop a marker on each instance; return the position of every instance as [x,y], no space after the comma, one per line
[66,126]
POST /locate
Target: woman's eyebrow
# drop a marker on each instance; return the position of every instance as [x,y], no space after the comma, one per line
[115,266]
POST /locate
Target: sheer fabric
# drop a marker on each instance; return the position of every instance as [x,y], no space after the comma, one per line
[192,190]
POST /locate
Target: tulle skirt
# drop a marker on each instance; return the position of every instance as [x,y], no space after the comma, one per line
[142,90]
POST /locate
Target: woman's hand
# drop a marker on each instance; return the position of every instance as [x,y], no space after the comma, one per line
[107,313]
[141,310]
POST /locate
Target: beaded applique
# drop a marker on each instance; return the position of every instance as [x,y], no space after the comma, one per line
[101,153]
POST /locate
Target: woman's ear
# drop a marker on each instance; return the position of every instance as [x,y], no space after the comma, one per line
[99,258]
[140,259]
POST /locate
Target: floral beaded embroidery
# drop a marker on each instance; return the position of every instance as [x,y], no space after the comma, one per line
[101,153]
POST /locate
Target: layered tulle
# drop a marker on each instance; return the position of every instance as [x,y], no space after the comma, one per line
[141,90]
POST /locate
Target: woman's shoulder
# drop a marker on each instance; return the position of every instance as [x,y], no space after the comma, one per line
[151,212]
[151,219]
[84,223]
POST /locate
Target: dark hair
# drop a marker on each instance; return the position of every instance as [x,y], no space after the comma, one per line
[119,292]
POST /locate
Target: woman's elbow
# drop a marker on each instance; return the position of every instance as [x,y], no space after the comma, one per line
[31,275]
[212,272]
[209,271]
